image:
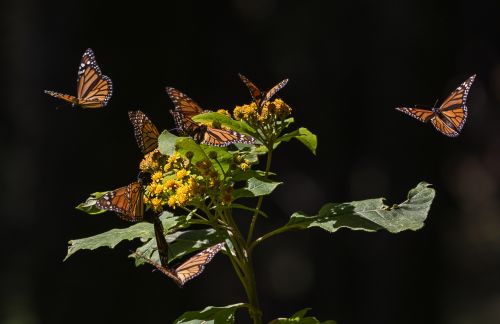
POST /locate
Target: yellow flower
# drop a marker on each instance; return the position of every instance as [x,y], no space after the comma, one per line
[169,184]
[224,112]
[149,162]
[152,187]
[282,109]
[156,202]
[159,189]
[181,174]
[156,176]
[174,157]
[244,166]
[264,114]
[171,202]
[246,112]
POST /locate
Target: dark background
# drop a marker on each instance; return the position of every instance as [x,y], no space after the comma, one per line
[349,64]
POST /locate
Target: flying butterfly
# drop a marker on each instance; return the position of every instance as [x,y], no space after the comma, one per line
[188,270]
[146,133]
[258,97]
[126,201]
[186,108]
[449,118]
[93,88]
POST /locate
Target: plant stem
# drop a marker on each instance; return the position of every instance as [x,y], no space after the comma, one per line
[261,198]
[266,236]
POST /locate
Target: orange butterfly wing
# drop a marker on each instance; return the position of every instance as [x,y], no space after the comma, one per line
[93,88]
[454,108]
[146,133]
[186,108]
[256,94]
[423,115]
[222,137]
[62,96]
[126,201]
[195,265]
[188,270]
[441,126]
[254,91]
[450,117]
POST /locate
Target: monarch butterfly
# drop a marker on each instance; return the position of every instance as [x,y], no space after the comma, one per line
[257,96]
[449,118]
[93,88]
[161,242]
[186,108]
[146,133]
[126,201]
[190,269]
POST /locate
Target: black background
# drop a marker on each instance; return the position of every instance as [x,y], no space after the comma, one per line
[349,64]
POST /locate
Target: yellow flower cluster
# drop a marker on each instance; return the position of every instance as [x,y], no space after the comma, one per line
[269,113]
[176,182]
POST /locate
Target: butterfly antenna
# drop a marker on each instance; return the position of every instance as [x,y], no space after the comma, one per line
[435,103]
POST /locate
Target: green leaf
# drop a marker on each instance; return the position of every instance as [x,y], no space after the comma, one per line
[256,187]
[303,135]
[210,315]
[111,238]
[181,243]
[300,319]
[166,143]
[371,214]
[236,125]
[224,158]
[89,207]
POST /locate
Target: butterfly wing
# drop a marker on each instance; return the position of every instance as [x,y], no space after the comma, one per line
[273,91]
[254,91]
[443,127]
[62,96]
[161,242]
[256,94]
[164,269]
[126,201]
[195,265]
[222,137]
[146,133]
[453,109]
[93,88]
[423,115]
[187,106]
[184,124]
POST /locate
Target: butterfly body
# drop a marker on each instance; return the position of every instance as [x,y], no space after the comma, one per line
[93,88]
[449,118]
[186,108]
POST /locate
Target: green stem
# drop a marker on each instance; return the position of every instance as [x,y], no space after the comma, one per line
[261,198]
[266,236]
[241,262]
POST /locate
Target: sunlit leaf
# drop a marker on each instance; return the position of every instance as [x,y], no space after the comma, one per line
[181,243]
[112,237]
[303,135]
[371,214]
[210,315]
[166,143]
[236,125]
[256,187]
[89,207]
[298,318]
